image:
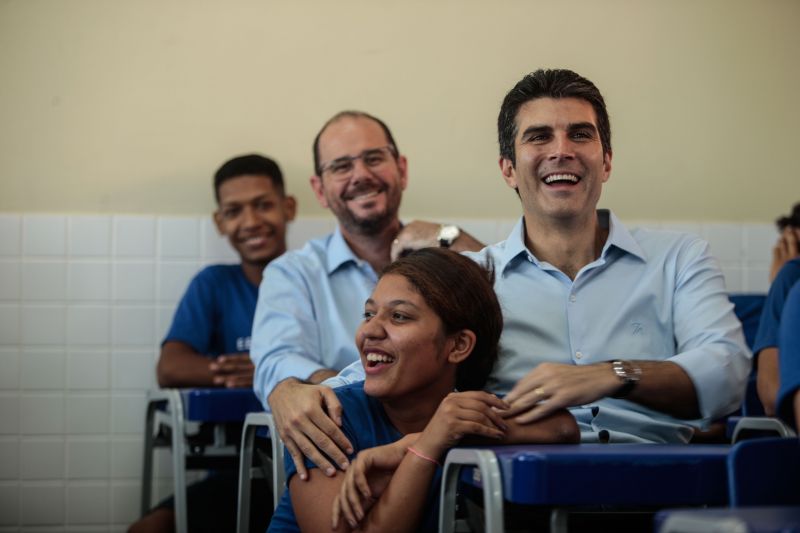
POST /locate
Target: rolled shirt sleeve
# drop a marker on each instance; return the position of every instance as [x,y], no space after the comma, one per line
[709,341]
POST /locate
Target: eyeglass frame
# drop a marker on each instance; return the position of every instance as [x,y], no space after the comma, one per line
[352,158]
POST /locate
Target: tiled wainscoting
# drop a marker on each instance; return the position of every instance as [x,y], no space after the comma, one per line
[84,302]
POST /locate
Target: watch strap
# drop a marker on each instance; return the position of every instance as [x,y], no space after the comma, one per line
[628,374]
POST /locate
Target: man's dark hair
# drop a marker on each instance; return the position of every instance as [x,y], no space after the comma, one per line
[251,164]
[792,219]
[351,114]
[547,83]
[461,293]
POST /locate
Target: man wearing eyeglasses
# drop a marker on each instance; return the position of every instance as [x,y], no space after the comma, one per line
[309,301]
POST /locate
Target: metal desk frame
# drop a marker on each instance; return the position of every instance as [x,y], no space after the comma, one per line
[167,406]
[248,472]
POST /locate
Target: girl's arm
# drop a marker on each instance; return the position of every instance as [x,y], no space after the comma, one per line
[558,427]
[401,505]
[476,414]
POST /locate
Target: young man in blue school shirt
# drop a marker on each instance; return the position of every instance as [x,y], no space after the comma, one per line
[208,342]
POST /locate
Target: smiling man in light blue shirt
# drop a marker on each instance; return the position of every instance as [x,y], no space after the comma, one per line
[632,330]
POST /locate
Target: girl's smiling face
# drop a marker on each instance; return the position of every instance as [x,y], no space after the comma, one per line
[402,342]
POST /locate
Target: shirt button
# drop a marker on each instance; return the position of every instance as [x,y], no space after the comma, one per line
[572,298]
[578,355]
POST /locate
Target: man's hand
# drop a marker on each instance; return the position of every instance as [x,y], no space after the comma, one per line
[420,234]
[367,478]
[308,419]
[552,386]
[787,247]
[233,370]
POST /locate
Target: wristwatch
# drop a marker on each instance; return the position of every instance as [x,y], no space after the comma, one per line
[628,374]
[448,235]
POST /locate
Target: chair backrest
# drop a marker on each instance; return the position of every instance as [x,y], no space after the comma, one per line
[764,472]
[747,308]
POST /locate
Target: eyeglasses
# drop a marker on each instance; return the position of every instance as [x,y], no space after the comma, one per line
[374,158]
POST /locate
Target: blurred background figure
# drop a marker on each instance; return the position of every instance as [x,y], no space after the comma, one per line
[788,246]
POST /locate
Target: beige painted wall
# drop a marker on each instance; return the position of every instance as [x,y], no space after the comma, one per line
[111,106]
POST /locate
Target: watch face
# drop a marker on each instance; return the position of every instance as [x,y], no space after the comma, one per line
[449,233]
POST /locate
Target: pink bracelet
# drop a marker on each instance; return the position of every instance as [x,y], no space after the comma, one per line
[423,456]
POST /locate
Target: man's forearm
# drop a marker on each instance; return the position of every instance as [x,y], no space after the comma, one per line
[180,366]
[666,387]
[321,375]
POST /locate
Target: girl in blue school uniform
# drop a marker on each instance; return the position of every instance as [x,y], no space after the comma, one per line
[428,342]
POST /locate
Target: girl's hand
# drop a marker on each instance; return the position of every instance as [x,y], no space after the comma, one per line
[366,479]
[461,414]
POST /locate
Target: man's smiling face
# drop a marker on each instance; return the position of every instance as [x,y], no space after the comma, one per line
[367,199]
[560,166]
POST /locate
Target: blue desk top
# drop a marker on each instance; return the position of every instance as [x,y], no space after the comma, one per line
[614,474]
[219,405]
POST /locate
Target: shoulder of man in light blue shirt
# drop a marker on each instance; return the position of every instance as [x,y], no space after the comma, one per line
[324,278]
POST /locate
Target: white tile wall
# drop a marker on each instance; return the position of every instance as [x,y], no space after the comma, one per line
[9,324]
[88,413]
[88,458]
[88,325]
[9,368]
[132,326]
[127,413]
[134,282]
[126,458]
[42,459]
[9,413]
[88,370]
[42,503]
[44,235]
[87,503]
[43,324]
[9,504]
[10,235]
[84,302]
[125,502]
[179,237]
[132,369]
[42,369]
[9,280]
[89,236]
[89,281]
[134,236]
[9,451]
[42,414]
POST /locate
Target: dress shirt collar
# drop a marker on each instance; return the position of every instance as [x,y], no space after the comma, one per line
[618,236]
[339,252]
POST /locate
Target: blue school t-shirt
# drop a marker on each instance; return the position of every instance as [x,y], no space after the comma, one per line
[365,423]
[767,336]
[215,315]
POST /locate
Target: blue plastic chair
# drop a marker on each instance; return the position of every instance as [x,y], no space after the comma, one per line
[763,489]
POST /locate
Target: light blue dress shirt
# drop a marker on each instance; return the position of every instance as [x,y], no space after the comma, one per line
[310,304]
[651,295]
